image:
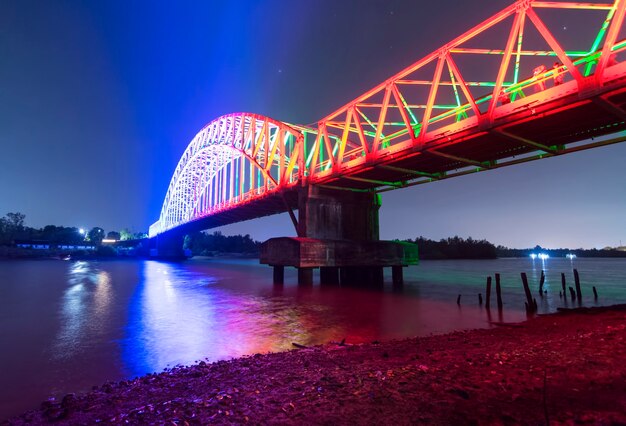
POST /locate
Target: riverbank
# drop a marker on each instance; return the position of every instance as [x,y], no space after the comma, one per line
[17,253]
[567,367]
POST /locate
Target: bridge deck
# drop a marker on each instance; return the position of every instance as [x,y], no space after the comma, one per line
[553,122]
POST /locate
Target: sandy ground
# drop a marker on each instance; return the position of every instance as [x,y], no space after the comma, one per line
[566,368]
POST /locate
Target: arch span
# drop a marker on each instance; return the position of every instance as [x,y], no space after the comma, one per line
[233,160]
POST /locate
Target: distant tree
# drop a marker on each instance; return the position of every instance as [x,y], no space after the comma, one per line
[126,234]
[4,235]
[16,220]
[112,235]
[95,235]
[12,227]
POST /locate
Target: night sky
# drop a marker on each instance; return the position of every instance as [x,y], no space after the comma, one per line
[99,99]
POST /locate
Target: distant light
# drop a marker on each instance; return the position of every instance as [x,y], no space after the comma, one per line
[543,256]
[81,230]
[570,256]
[533,256]
[108,240]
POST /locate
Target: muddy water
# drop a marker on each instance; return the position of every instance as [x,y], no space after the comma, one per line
[66,326]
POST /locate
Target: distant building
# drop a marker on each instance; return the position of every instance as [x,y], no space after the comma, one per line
[33,244]
[47,245]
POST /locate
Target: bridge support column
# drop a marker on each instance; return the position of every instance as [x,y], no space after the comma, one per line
[338,234]
[338,215]
[329,275]
[168,245]
[279,274]
[305,276]
[396,275]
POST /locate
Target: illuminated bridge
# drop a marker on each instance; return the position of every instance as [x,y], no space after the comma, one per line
[515,88]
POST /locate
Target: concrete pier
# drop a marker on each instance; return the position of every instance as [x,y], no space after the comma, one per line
[279,274]
[339,233]
[168,245]
[340,261]
[329,274]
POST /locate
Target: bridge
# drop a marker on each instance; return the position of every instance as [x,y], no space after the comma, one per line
[513,89]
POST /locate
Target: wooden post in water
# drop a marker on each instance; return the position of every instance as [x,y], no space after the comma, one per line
[498,292]
[530,306]
[541,281]
[480,299]
[488,293]
[563,284]
[595,293]
[579,293]
[572,293]
[458,300]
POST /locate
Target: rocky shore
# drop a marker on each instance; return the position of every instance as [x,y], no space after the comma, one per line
[565,368]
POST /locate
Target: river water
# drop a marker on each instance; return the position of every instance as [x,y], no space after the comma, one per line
[68,325]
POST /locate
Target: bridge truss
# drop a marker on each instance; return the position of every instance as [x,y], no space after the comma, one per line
[456,108]
[527,83]
[232,161]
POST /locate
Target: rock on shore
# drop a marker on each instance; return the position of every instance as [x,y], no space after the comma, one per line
[564,368]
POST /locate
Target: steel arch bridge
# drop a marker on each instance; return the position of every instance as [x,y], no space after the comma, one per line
[515,88]
[233,161]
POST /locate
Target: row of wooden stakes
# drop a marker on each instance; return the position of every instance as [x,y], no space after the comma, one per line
[531,303]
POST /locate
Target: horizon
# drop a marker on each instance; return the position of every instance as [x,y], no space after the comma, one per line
[405,238]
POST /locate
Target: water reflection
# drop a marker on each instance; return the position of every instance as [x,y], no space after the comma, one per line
[546,298]
[178,316]
[84,308]
[71,325]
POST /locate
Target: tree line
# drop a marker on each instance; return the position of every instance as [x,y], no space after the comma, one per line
[502,251]
[454,248]
[13,228]
[459,248]
[205,244]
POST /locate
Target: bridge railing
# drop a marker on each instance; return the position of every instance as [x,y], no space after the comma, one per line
[518,53]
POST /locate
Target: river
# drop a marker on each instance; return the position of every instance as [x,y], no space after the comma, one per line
[68,325]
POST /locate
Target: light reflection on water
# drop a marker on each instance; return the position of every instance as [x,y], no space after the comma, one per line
[84,308]
[70,325]
[178,316]
[180,313]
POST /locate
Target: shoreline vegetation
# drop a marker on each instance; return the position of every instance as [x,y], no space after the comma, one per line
[217,245]
[563,368]
[20,241]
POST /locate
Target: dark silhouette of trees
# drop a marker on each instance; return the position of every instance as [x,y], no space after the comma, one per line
[16,220]
[96,235]
[502,251]
[454,248]
[112,235]
[203,244]
[60,235]
[11,227]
